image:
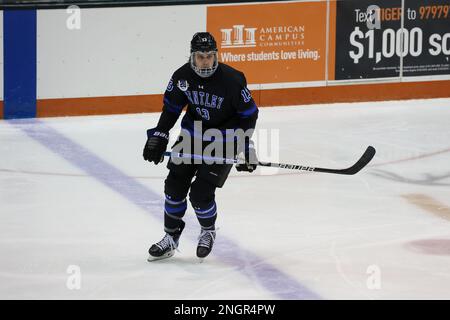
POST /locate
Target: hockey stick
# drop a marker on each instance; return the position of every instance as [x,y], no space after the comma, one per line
[361,163]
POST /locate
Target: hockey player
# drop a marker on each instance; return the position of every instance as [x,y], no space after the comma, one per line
[217,96]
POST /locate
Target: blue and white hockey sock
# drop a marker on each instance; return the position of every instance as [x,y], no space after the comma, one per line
[174,210]
[206,215]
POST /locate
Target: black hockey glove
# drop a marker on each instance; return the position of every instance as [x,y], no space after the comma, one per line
[247,160]
[156,145]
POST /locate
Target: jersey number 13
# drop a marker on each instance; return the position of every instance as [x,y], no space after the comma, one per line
[204,113]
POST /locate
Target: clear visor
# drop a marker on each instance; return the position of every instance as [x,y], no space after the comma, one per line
[204,63]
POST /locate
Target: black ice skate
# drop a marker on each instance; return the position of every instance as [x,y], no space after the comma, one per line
[166,247]
[205,242]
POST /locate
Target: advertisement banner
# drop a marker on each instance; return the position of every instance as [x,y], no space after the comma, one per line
[371,40]
[426,38]
[362,50]
[272,43]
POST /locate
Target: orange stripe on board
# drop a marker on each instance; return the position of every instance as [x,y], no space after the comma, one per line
[264,98]
[356,93]
[99,105]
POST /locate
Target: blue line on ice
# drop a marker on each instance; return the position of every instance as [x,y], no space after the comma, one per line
[226,250]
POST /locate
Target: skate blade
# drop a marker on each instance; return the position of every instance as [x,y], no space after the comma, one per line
[164,256]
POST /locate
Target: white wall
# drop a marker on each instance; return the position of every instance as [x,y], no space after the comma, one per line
[117,51]
[1,55]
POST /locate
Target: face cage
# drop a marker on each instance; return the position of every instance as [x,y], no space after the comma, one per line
[204,72]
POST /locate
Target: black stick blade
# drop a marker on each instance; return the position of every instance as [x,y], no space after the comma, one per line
[362,162]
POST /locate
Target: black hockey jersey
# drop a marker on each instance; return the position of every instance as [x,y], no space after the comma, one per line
[221,101]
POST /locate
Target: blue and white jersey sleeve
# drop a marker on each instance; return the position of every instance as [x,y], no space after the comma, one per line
[173,103]
[246,107]
[174,99]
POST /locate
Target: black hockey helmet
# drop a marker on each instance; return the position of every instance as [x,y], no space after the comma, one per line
[203,42]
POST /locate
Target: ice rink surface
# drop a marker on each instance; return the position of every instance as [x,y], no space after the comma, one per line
[79,208]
